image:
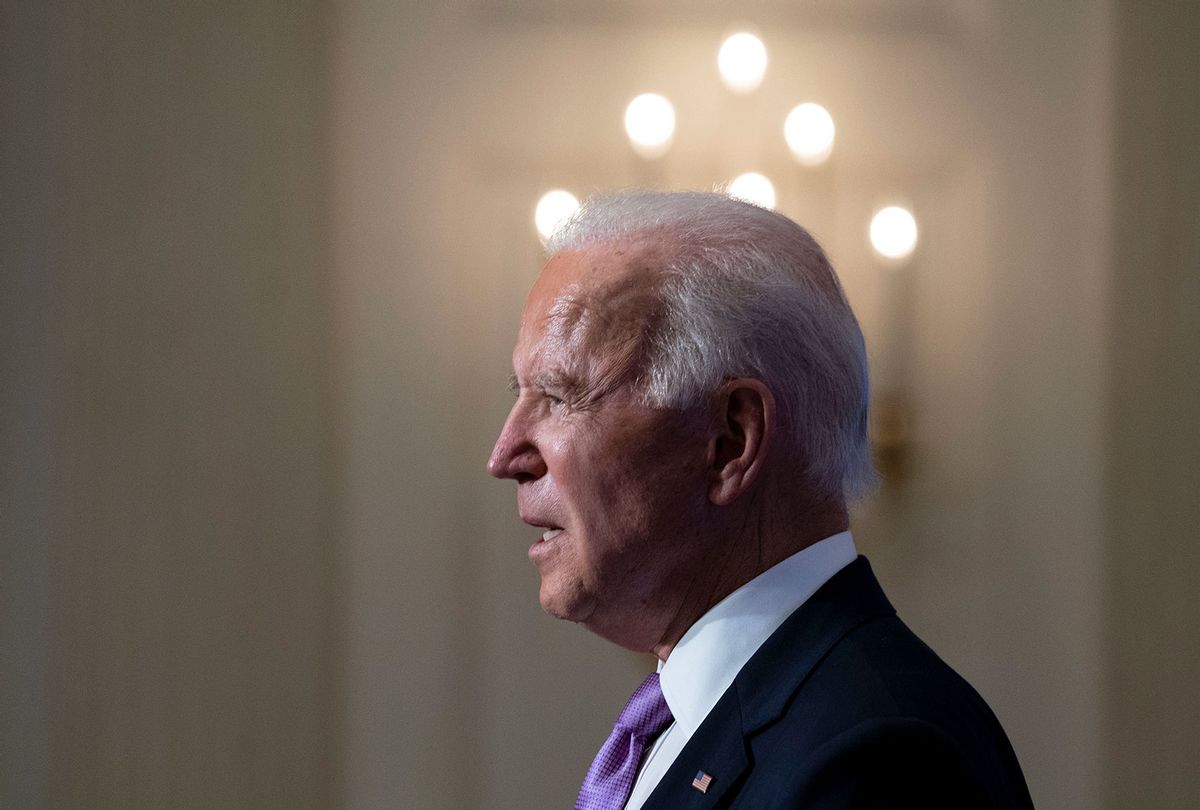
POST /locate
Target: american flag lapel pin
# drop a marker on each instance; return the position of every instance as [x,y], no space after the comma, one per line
[702,781]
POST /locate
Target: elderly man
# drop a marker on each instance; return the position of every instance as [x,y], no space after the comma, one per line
[690,422]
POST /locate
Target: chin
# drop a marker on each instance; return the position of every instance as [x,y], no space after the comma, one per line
[571,603]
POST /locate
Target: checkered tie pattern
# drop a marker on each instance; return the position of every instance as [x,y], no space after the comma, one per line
[610,779]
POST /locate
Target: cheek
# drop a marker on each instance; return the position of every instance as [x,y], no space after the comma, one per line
[624,488]
[668,470]
[660,494]
[556,445]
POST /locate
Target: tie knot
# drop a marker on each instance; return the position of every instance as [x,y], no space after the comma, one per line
[646,714]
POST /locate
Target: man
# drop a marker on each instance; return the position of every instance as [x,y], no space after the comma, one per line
[690,422]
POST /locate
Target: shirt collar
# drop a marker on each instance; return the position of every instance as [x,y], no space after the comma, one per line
[714,649]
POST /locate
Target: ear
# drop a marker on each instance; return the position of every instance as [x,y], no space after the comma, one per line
[737,449]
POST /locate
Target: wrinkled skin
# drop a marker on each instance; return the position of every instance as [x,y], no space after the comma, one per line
[658,514]
[627,483]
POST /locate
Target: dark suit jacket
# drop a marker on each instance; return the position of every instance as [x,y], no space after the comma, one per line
[843,707]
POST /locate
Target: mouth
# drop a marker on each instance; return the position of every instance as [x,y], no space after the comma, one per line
[545,546]
[549,529]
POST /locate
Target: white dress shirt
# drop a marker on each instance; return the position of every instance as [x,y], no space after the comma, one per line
[714,649]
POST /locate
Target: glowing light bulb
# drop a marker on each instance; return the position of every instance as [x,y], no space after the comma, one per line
[753,187]
[894,232]
[742,61]
[650,124]
[809,133]
[553,209]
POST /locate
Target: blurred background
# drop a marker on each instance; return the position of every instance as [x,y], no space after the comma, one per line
[262,268]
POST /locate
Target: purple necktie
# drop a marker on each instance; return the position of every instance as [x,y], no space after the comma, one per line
[610,779]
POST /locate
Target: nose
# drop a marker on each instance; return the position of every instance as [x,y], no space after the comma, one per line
[516,455]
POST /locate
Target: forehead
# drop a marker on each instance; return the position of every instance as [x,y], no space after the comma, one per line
[578,274]
[585,299]
[585,291]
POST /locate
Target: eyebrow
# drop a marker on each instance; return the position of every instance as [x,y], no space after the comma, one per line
[547,380]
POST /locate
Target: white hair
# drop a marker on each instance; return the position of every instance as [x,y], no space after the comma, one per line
[746,292]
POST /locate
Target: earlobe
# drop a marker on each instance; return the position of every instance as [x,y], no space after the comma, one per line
[745,422]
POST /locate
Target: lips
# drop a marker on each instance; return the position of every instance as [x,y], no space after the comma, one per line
[546,545]
[550,529]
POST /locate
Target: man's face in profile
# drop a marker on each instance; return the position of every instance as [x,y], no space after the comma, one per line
[616,487]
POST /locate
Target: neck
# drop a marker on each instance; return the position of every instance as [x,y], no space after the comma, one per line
[762,541]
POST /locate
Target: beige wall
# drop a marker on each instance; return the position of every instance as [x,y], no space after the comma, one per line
[261,270]
[168,555]
[1153,504]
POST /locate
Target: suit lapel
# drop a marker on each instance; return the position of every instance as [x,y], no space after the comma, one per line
[722,756]
[758,696]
